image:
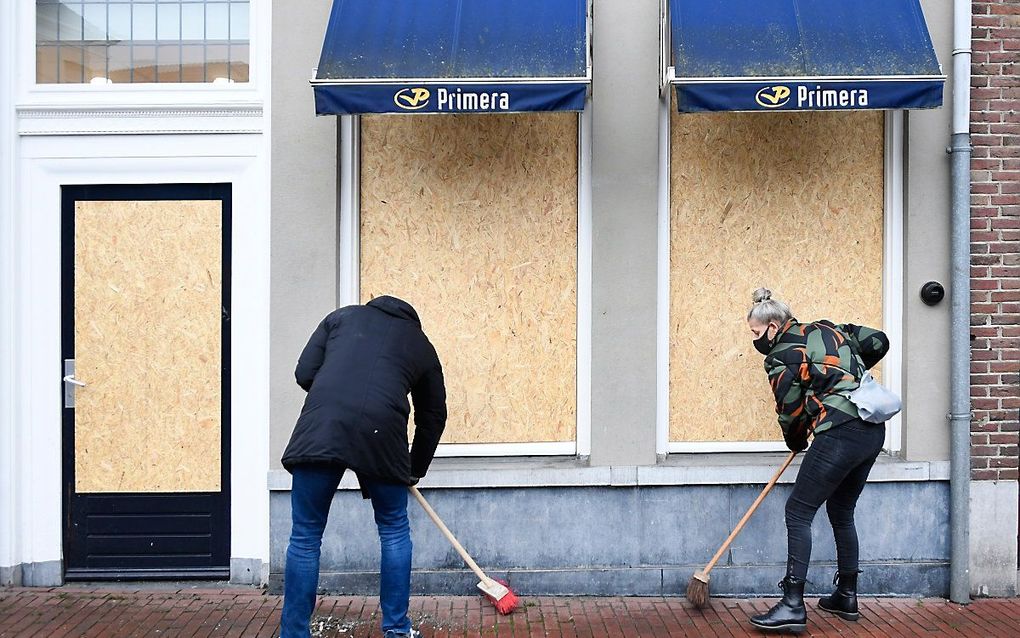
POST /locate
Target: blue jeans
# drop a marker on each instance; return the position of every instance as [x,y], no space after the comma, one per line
[310,497]
[834,472]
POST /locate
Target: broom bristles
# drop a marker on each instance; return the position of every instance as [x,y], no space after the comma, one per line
[697,590]
[498,593]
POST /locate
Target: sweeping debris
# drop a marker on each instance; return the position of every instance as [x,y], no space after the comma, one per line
[498,593]
[697,588]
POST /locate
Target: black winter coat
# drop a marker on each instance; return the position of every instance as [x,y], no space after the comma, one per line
[358,368]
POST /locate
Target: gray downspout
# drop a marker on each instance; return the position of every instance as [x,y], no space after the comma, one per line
[960,411]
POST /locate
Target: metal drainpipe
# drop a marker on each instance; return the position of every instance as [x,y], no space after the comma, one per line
[960,409]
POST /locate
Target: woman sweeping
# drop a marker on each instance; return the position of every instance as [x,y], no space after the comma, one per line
[812,367]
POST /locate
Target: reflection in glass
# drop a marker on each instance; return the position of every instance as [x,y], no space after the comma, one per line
[193,22]
[120,22]
[144,63]
[143,22]
[239,62]
[70,64]
[217,21]
[70,22]
[46,64]
[119,56]
[238,21]
[169,22]
[217,61]
[169,69]
[46,23]
[129,41]
[95,62]
[95,21]
[193,63]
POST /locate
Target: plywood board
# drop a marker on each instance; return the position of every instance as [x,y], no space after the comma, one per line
[147,317]
[473,220]
[793,202]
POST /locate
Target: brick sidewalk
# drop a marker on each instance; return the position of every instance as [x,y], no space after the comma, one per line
[122,612]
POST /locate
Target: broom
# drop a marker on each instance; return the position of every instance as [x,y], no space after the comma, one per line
[697,588]
[499,594]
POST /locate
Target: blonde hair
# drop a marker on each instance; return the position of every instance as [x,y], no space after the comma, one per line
[767,310]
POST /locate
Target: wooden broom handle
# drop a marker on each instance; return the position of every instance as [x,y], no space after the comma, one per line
[754,506]
[449,535]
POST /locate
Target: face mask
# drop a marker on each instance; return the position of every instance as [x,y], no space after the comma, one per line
[763,344]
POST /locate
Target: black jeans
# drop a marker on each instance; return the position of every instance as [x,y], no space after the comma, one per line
[834,472]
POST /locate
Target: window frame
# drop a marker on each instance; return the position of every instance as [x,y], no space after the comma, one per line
[141,95]
[892,289]
[348,289]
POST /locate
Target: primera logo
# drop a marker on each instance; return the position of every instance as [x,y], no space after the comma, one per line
[773,97]
[412,99]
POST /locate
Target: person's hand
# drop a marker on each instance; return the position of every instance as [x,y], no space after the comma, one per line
[796,444]
[414,480]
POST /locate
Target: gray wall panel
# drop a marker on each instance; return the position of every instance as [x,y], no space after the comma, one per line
[624,228]
[592,540]
[304,207]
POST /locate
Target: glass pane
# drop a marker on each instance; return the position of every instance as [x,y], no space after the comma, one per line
[70,22]
[70,64]
[217,21]
[193,63]
[169,64]
[119,56]
[169,22]
[120,22]
[46,23]
[95,62]
[144,62]
[239,62]
[46,65]
[193,22]
[239,21]
[95,21]
[143,22]
[216,65]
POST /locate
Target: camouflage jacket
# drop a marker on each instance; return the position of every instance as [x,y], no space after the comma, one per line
[812,367]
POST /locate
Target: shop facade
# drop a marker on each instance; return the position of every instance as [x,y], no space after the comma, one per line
[584,271]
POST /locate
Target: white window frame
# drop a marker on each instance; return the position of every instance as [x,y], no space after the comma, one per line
[142,108]
[349,285]
[892,290]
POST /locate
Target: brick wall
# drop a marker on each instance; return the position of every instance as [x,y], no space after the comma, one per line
[995,239]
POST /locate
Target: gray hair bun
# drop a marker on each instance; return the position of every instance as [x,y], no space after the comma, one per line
[760,295]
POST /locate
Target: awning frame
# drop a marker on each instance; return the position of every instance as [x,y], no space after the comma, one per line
[586,79]
[668,77]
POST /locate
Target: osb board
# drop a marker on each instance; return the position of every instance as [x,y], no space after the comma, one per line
[793,202]
[473,220]
[147,312]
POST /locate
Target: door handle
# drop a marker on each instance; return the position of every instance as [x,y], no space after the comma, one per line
[70,379]
[70,383]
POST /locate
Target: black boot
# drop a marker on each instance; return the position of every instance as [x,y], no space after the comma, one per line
[789,614]
[843,601]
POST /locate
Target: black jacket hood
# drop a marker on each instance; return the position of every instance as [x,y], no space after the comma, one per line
[396,307]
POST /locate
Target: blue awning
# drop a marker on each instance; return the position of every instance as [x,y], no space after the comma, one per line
[802,55]
[453,56]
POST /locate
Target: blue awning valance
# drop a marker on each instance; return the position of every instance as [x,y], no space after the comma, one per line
[802,55]
[453,56]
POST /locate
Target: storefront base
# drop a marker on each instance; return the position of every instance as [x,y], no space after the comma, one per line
[630,540]
[993,538]
[45,574]
[887,579]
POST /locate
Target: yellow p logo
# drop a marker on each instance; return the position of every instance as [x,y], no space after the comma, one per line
[772,97]
[412,99]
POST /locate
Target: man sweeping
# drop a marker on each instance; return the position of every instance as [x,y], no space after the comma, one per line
[358,368]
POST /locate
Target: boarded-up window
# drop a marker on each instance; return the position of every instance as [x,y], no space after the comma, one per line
[473,220]
[790,201]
